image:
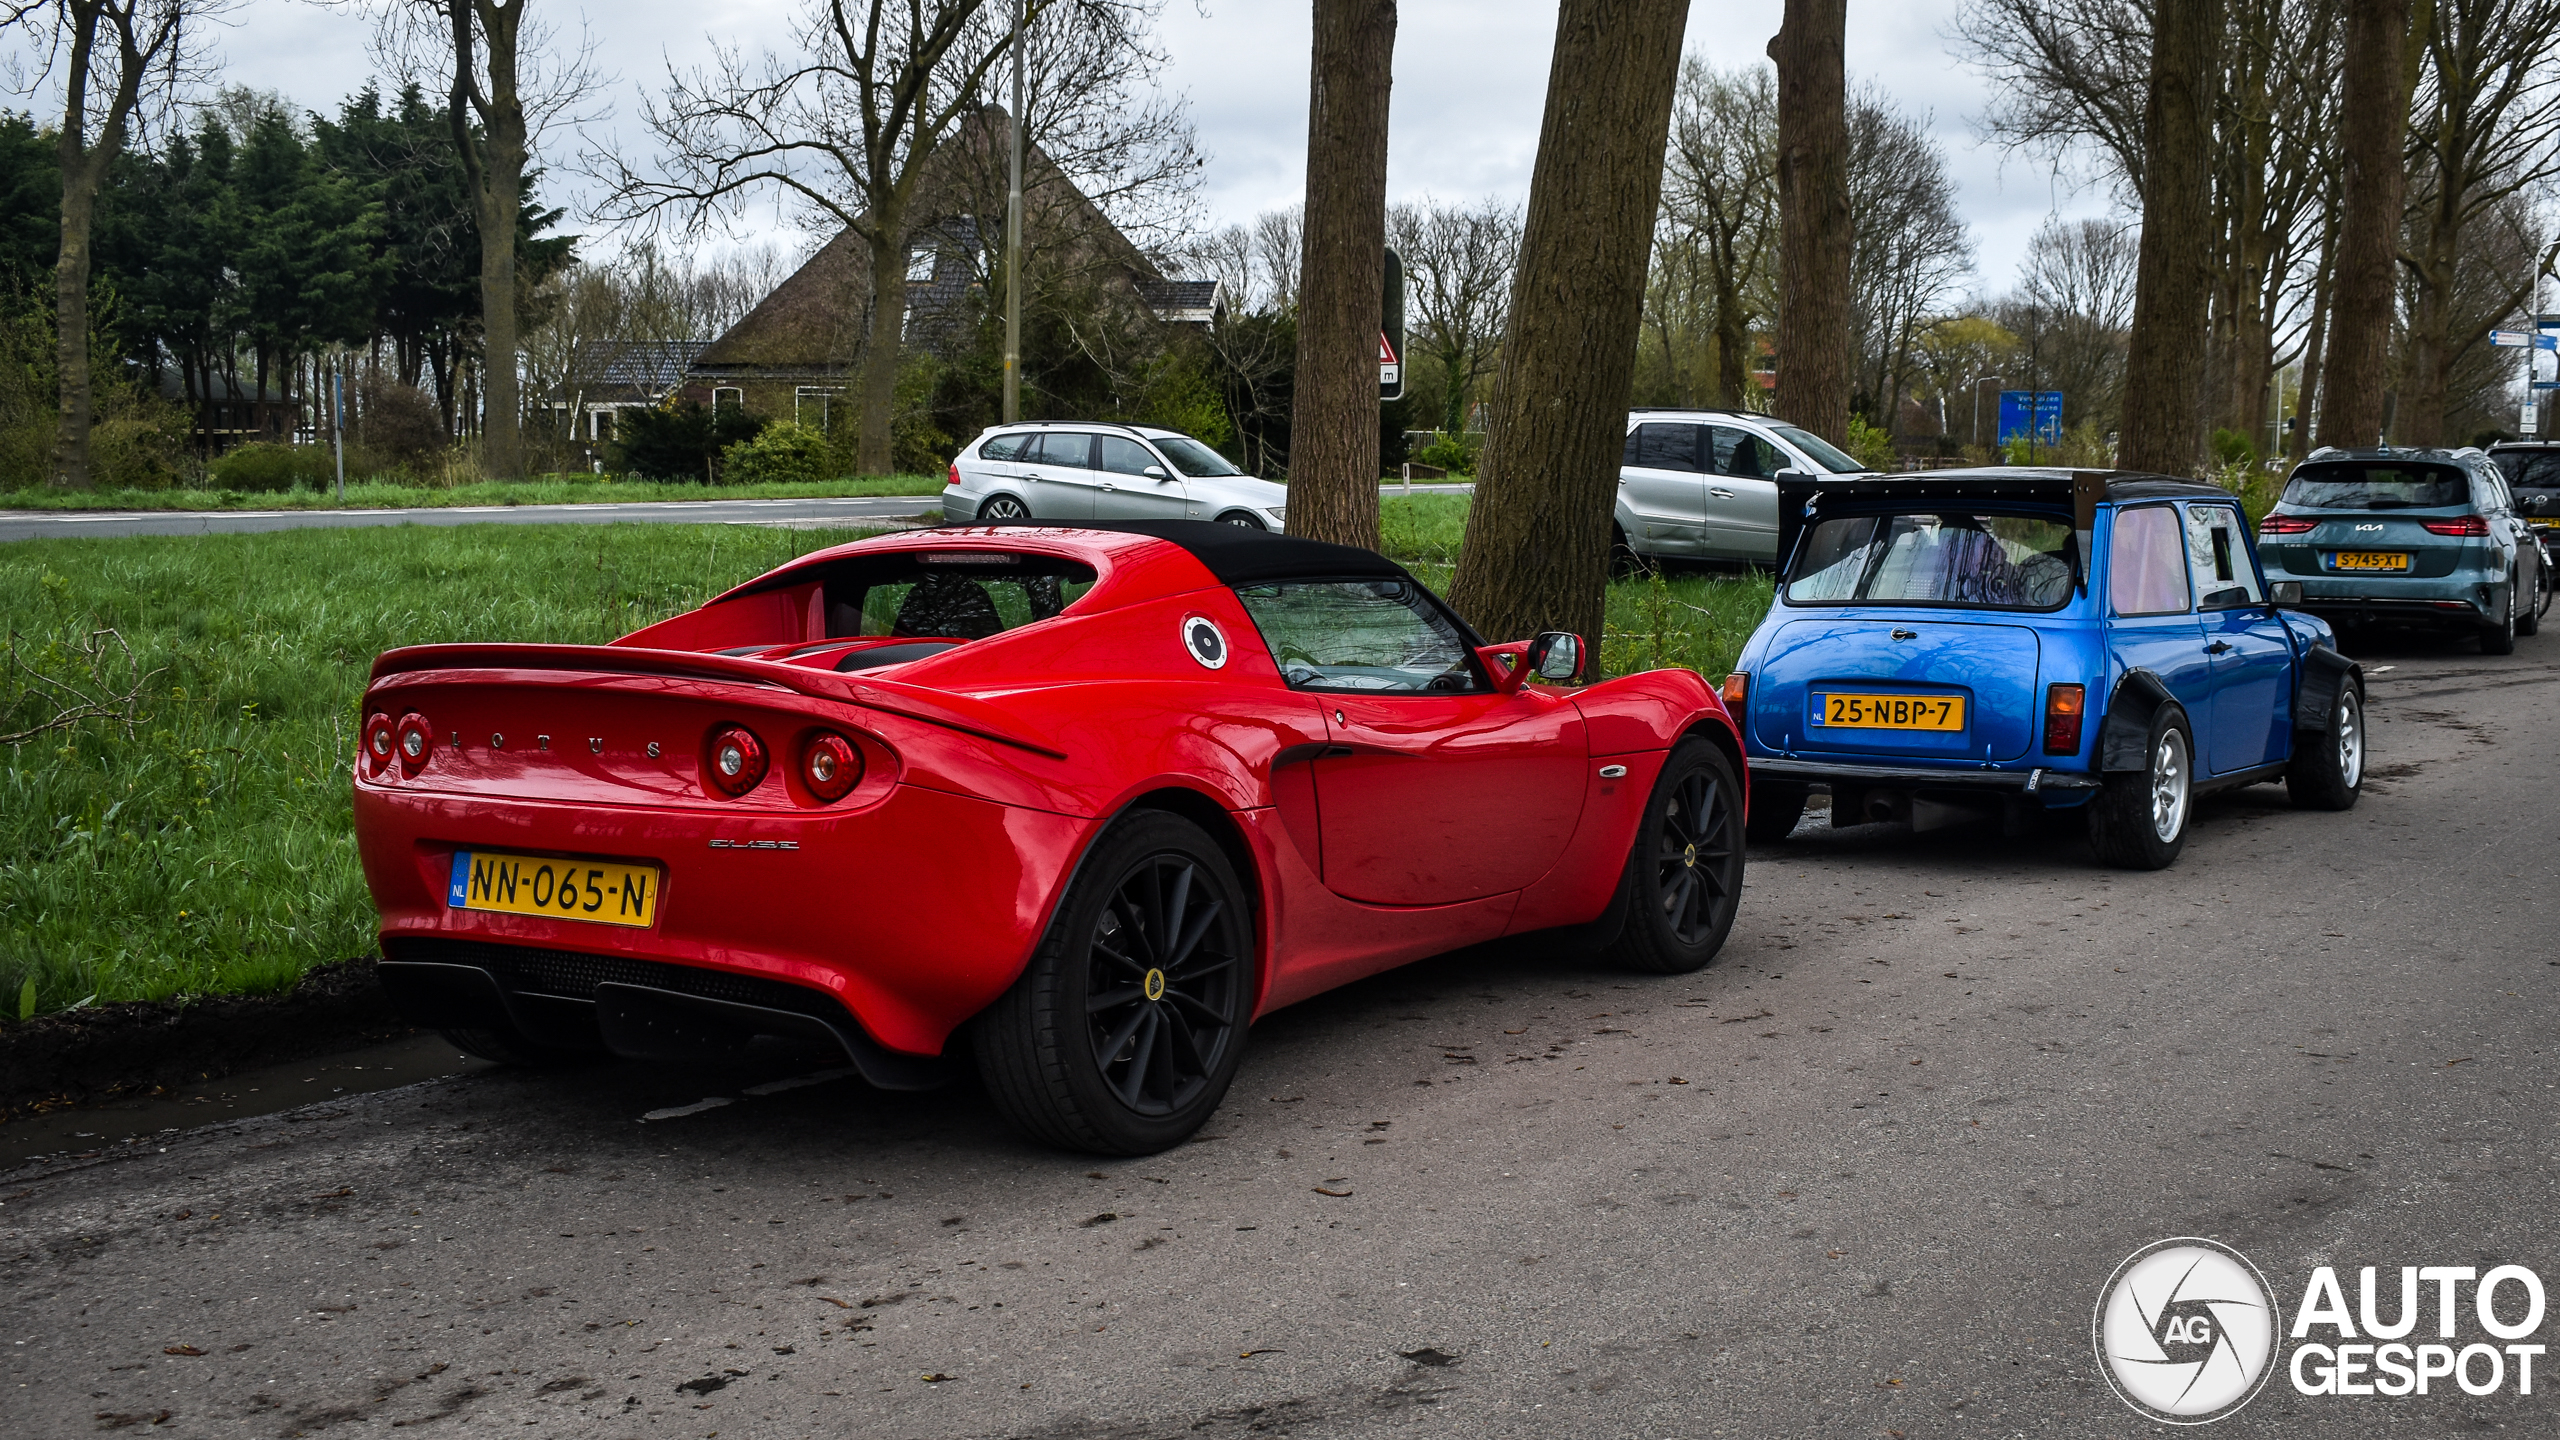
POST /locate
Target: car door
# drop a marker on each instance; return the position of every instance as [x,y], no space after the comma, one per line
[1435,787]
[1123,489]
[2251,653]
[1660,476]
[1742,495]
[1059,476]
[2152,623]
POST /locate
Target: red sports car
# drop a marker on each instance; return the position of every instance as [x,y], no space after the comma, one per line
[1101,796]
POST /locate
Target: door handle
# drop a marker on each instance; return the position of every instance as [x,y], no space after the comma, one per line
[2217,647]
[1107,485]
[1721,494]
[1031,479]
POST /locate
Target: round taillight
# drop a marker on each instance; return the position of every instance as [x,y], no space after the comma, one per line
[414,740]
[734,760]
[377,742]
[830,766]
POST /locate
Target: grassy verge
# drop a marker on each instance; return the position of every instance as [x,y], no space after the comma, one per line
[385,495]
[193,835]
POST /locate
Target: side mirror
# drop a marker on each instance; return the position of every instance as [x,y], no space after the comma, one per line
[1153,472]
[1802,476]
[2284,592]
[2231,598]
[1557,656]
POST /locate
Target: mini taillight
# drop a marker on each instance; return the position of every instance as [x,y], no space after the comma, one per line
[1735,690]
[414,740]
[2062,706]
[733,760]
[2458,525]
[2287,525]
[377,742]
[830,765]
[954,481]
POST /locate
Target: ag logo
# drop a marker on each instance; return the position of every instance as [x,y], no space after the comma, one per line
[1206,642]
[2186,1331]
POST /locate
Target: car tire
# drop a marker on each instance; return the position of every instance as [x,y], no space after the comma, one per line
[1623,559]
[1123,1032]
[2500,639]
[2327,771]
[2529,615]
[2140,820]
[1003,508]
[1683,879]
[1776,809]
[1243,518]
[507,1047]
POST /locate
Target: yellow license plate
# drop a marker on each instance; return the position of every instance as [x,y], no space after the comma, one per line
[600,892]
[2372,560]
[1889,712]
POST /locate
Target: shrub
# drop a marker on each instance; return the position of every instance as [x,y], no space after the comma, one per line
[1451,453]
[263,467]
[677,439]
[1871,444]
[400,424]
[2231,447]
[787,453]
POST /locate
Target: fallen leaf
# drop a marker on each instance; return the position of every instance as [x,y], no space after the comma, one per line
[1249,1354]
[1336,1194]
[1676,1080]
[839,1304]
[180,1350]
[937,1377]
[2465,1060]
[340,1193]
[1105,1218]
[1429,1356]
[705,1385]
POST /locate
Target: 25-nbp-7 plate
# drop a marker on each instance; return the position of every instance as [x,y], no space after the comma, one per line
[1887,712]
[599,892]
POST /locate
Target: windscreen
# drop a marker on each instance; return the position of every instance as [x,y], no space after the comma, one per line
[1825,454]
[1990,562]
[1193,458]
[951,594]
[2378,487]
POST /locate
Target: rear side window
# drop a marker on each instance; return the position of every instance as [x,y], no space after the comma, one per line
[1005,447]
[1656,446]
[1991,562]
[1075,452]
[2218,559]
[2378,487]
[2146,563]
[1372,635]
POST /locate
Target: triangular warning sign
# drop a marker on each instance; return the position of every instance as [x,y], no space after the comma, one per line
[1386,351]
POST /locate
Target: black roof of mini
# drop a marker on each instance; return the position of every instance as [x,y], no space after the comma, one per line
[2020,482]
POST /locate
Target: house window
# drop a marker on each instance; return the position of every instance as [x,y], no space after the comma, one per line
[920,263]
[728,397]
[810,404]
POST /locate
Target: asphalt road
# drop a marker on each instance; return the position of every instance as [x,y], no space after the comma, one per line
[851,511]
[1935,1090]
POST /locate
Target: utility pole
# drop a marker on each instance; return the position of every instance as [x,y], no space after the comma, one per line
[338,416]
[1013,238]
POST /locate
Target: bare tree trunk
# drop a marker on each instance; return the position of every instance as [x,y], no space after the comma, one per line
[2298,444]
[2373,128]
[1733,345]
[2164,361]
[882,342]
[2420,418]
[1814,233]
[71,319]
[84,158]
[1537,547]
[493,164]
[1333,427]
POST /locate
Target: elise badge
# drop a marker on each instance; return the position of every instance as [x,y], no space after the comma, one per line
[1206,642]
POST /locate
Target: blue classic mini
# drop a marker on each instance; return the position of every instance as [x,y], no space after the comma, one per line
[1961,644]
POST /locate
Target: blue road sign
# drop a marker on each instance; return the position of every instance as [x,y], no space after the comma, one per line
[2035,414]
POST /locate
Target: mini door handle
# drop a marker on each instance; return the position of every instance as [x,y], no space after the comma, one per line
[1901,634]
[2217,647]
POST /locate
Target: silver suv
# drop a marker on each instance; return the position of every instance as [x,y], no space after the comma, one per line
[1703,484]
[1076,471]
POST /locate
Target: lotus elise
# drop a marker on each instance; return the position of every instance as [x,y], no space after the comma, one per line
[1078,804]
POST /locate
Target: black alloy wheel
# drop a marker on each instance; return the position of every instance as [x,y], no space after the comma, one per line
[1239,517]
[1004,507]
[1123,1032]
[2529,614]
[1683,880]
[2500,639]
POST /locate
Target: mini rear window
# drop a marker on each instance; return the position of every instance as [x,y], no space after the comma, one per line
[2378,487]
[1990,562]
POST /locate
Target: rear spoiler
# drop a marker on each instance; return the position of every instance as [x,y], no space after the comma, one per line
[963,713]
[1800,495]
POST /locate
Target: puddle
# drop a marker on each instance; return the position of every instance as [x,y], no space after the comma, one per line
[86,1130]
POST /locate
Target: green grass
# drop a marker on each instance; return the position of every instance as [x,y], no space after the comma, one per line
[199,839]
[387,495]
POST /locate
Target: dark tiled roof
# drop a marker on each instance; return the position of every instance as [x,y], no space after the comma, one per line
[1179,299]
[652,367]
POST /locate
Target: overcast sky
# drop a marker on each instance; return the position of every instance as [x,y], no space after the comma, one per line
[1470,80]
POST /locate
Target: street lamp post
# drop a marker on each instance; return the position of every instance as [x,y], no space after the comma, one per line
[1975,385]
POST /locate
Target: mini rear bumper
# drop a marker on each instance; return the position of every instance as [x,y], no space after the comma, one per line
[2053,787]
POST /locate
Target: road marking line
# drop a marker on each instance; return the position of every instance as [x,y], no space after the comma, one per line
[697,1107]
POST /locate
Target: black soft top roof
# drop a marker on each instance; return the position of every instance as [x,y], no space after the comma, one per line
[2016,482]
[1241,555]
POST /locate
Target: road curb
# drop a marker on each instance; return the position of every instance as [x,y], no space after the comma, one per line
[109,1050]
